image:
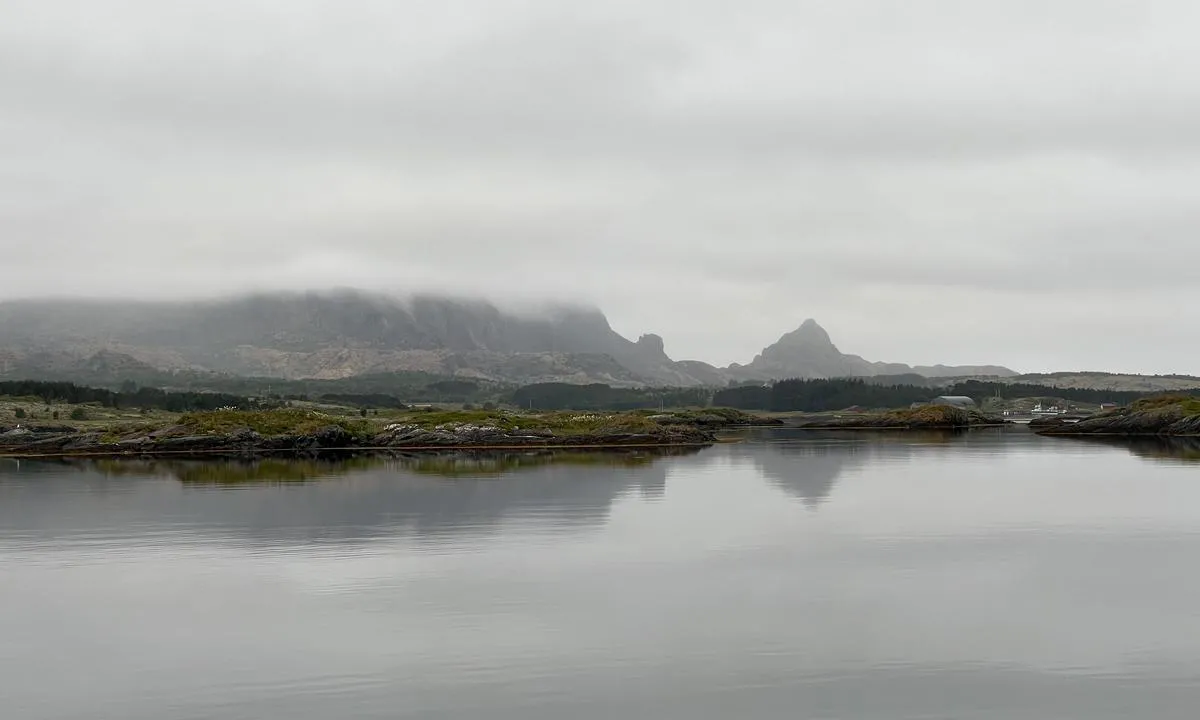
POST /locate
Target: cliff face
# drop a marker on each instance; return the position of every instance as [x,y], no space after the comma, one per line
[334,335]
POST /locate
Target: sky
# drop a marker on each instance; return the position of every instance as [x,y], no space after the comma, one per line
[1011,182]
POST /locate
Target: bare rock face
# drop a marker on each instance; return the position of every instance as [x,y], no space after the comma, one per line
[652,346]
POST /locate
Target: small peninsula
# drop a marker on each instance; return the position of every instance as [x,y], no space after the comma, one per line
[300,433]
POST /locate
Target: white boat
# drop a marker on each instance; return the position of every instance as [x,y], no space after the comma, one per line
[1040,411]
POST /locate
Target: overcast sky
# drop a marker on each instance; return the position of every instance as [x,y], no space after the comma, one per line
[956,181]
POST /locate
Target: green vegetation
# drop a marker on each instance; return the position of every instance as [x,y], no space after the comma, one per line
[933,416]
[283,421]
[376,390]
[1188,404]
[565,396]
[361,400]
[560,423]
[72,394]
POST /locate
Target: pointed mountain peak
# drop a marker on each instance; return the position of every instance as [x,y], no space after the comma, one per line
[806,351]
[809,333]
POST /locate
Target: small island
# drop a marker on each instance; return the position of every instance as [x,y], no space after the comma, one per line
[305,433]
[927,417]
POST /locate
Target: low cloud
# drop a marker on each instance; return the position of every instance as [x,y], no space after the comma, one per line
[1007,182]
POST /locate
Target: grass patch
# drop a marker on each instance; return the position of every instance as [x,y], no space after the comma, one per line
[933,415]
[288,421]
[1188,404]
[560,423]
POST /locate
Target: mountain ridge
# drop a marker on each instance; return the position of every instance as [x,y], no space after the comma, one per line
[343,333]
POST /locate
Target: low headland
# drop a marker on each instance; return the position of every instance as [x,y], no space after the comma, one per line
[305,433]
[1161,416]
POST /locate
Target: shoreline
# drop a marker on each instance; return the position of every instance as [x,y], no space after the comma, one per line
[306,435]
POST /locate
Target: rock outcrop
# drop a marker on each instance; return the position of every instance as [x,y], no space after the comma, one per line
[1164,417]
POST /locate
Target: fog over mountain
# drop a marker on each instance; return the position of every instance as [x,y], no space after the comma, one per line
[346,333]
[1002,181]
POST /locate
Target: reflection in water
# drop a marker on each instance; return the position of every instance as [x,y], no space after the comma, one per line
[271,500]
[807,470]
[807,464]
[1186,449]
[460,493]
[984,576]
[458,464]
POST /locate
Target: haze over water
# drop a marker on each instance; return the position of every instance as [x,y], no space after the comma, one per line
[991,575]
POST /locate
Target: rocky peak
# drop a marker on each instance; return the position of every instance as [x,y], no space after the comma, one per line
[652,344]
[806,351]
[809,334]
[810,339]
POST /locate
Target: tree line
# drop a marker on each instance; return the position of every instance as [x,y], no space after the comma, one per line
[144,397]
[820,395]
[598,396]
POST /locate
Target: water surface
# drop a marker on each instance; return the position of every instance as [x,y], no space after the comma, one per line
[987,575]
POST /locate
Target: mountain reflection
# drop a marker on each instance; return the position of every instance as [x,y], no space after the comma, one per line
[437,495]
[807,464]
[805,471]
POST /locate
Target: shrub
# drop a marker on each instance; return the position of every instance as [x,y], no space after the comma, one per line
[79,414]
[20,413]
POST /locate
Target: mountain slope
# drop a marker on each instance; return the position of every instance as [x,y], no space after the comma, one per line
[339,334]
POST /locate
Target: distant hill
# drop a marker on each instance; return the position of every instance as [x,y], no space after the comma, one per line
[1110,381]
[348,333]
[808,352]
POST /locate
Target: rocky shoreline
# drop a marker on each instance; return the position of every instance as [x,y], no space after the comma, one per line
[1160,417]
[329,441]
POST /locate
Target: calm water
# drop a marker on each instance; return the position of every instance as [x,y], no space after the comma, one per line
[995,575]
